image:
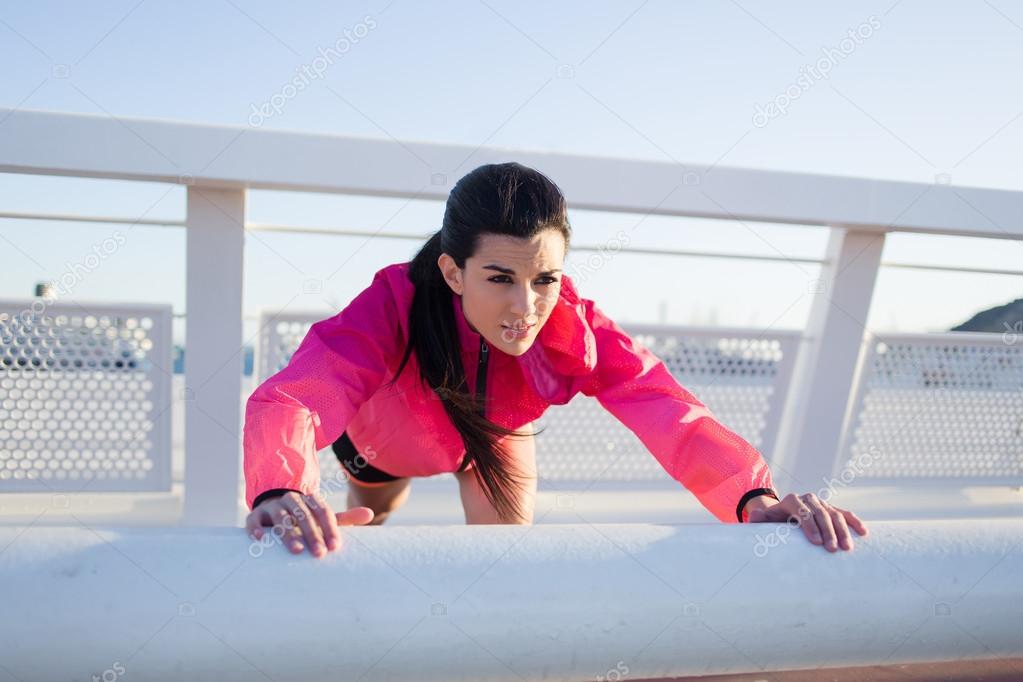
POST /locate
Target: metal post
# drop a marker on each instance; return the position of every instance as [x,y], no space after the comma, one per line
[828,363]
[213,355]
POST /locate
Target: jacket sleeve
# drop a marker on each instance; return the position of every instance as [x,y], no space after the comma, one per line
[697,450]
[306,406]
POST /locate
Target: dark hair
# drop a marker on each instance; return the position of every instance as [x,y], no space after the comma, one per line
[506,199]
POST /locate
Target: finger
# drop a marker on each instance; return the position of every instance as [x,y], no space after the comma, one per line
[854,522]
[250,525]
[791,508]
[328,522]
[804,515]
[311,530]
[356,516]
[290,533]
[254,523]
[823,520]
[841,529]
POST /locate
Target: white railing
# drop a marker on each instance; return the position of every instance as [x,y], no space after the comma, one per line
[219,164]
[555,602]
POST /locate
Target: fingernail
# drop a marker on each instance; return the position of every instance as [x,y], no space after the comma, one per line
[297,546]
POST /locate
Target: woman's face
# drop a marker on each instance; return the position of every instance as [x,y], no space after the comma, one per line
[509,284]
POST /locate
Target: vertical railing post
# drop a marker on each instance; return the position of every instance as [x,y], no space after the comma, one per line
[215,228]
[827,366]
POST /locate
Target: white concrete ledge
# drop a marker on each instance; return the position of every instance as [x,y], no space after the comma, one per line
[553,602]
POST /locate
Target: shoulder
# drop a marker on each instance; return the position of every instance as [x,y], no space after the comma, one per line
[394,278]
[382,306]
[390,287]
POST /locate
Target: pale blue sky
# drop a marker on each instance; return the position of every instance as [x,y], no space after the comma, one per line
[934,89]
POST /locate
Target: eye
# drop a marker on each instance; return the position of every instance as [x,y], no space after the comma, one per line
[504,279]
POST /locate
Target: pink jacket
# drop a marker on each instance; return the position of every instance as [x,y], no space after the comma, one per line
[334,382]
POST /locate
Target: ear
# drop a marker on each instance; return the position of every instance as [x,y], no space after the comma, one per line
[452,273]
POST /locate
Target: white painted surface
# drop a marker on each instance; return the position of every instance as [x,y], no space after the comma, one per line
[562,602]
[213,359]
[87,145]
[828,362]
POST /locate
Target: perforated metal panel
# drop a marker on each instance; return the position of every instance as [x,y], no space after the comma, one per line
[741,376]
[85,397]
[279,336]
[938,407]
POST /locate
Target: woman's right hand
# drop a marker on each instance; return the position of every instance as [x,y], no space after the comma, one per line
[304,520]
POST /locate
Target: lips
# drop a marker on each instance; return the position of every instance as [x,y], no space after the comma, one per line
[519,330]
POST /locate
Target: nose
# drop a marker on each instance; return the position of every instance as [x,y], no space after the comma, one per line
[523,305]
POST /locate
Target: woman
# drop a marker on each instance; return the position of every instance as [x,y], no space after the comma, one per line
[443,363]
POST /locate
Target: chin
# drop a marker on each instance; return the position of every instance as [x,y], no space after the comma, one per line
[518,347]
[515,347]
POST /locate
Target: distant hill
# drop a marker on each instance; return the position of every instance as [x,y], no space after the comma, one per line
[1003,318]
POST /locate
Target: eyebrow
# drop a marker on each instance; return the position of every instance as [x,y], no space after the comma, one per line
[509,271]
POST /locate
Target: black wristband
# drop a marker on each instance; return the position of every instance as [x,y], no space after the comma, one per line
[749,496]
[275,492]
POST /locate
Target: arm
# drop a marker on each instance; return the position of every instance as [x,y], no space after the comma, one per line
[706,457]
[304,407]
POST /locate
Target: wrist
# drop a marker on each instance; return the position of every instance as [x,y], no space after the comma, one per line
[760,498]
[272,493]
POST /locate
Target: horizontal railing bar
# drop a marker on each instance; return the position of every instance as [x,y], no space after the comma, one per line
[269,227]
[987,338]
[240,157]
[950,268]
[264,227]
[114,220]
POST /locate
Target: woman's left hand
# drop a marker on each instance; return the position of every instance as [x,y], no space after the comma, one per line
[822,523]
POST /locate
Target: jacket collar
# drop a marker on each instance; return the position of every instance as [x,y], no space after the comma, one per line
[567,339]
